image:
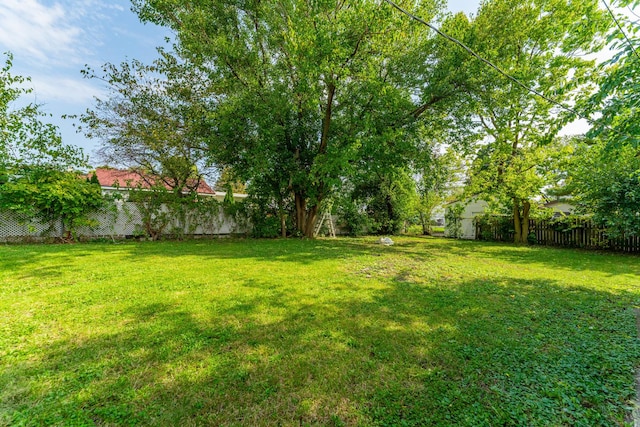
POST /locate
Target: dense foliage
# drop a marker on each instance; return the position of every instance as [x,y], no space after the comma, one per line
[510,130]
[606,182]
[605,174]
[51,197]
[307,91]
[614,106]
[388,200]
[305,101]
[36,177]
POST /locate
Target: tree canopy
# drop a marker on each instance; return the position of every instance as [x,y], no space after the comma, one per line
[306,91]
[152,120]
[605,173]
[300,100]
[606,184]
[616,103]
[510,130]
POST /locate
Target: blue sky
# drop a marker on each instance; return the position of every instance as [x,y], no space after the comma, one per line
[52,40]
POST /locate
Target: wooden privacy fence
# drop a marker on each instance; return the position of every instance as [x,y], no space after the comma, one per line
[570,232]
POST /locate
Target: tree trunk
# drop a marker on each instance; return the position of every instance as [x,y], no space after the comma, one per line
[312,217]
[283,226]
[301,208]
[326,122]
[526,207]
[517,225]
[425,229]
[521,221]
[306,218]
[283,219]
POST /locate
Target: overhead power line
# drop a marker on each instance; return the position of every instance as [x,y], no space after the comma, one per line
[633,49]
[504,73]
[486,61]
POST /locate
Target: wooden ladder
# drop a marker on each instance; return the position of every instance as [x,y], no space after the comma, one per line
[326,216]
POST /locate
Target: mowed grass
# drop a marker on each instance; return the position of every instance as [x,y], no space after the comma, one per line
[328,332]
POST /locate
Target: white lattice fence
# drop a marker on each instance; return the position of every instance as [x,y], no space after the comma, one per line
[215,223]
[116,221]
[14,226]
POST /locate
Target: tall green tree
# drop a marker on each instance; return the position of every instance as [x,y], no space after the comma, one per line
[540,43]
[152,120]
[605,175]
[307,90]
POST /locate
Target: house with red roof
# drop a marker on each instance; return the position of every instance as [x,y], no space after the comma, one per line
[111,180]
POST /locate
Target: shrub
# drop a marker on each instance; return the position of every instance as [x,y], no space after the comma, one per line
[354,221]
[494,227]
[453,220]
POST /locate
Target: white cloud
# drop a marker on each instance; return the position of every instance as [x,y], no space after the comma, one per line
[60,33]
[39,33]
[51,40]
[64,89]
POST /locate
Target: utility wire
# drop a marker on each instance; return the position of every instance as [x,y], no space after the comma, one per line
[633,49]
[486,61]
[504,73]
[633,12]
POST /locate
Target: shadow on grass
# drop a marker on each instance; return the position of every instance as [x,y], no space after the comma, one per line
[307,252]
[570,259]
[461,353]
[302,252]
[612,264]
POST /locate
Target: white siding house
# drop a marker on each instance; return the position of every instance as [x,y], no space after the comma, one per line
[560,207]
[472,208]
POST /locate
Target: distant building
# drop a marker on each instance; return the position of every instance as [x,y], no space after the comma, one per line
[112,180]
[476,207]
[437,215]
[472,208]
[560,207]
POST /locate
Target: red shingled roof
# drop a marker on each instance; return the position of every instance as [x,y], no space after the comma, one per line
[129,179]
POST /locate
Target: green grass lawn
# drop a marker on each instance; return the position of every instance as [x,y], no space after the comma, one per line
[328,332]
